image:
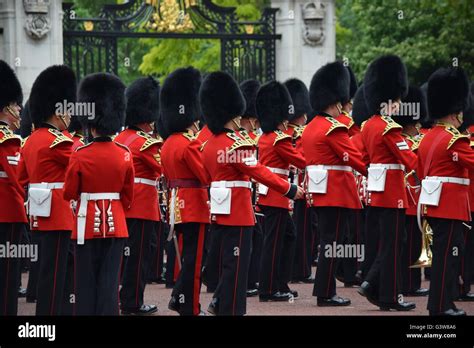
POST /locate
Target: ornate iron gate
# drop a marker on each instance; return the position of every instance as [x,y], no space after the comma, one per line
[247,48]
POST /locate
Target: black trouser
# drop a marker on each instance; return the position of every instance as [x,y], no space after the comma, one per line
[349,265]
[188,285]
[10,236]
[67,307]
[332,224]
[278,250]
[231,292]
[136,263]
[32,287]
[172,267]
[52,271]
[315,237]
[447,248]
[411,250]
[97,275]
[302,220]
[384,275]
[371,238]
[467,259]
[158,240]
[212,267]
[256,255]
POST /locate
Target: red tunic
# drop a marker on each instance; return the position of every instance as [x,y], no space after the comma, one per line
[326,142]
[347,120]
[113,163]
[276,151]
[44,159]
[147,163]
[236,147]
[181,160]
[452,156]
[204,134]
[413,194]
[12,208]
[78,141]
[384,144]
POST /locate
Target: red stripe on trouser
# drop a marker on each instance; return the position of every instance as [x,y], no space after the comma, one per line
[176,263]
[7,278]
[274,250]
[444,267]
[74,281]
[55,274]
[140,253]
[197,270]
[237,274]
[332,258]
[395,252]
[304,240]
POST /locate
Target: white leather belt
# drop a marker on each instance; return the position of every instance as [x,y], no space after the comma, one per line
[279,171]
[450,179]
[229,184]
[145,181]
[392,166]
[3,175]
[82,212]
[48,185]
[330,167]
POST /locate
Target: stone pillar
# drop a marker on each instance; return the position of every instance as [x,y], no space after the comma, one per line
[308,30]
[32,37]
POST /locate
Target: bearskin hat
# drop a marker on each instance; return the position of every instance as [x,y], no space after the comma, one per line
[300,96]
[221,100]
[10,88]
[468,113]
[179,99]
[54,85]
[386,79]
[26,126]
[360,111]
[329,85]
[160,129]
[249,89]
[426,122]
[414,97]
[448,91]
[143,101]
[107,93]
[353,83]
[273,104]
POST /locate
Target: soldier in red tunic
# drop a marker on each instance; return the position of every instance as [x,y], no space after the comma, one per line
[100,177]
[444,160]
[186,180]
[45,157]
[230,160]
[411,249]
[12,211]
[277,153]
[390,156]
[143,216]
[330,159]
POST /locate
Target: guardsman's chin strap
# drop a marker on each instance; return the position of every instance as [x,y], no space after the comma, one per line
[62,117]
[16,115]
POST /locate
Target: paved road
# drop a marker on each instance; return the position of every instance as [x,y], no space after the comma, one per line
[304,305]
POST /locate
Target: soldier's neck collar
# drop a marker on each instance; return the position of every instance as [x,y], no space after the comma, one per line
[324,114]
[135,128]
[48,125]
[228,130]
[444,124]
[102,139]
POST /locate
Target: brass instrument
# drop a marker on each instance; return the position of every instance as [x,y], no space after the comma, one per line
[426,255]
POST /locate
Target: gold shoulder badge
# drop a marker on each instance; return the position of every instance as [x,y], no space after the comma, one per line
[238,142]
[247,137]
[334,124]
[157,158]
[351,120]
[280,136]
[149,140]
[391,124]
[298,133]
[189,135]
[7,134]
[456,135]
[60,137]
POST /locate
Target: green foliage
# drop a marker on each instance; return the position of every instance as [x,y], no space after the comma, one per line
[427,34]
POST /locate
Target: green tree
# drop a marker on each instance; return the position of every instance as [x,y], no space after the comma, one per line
[427,34]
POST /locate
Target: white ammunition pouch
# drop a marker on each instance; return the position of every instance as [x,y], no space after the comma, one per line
[377,175]
[431,188]
[318,177]
[40,197]
[262,189]
[221,195]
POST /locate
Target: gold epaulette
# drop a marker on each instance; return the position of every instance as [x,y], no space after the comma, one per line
[247,137]
[351,120]
[149,140]
[391,124]
[334,124]
[60,137]
[23,141]
[257,137]
[456,135]
[189,135]
[8,135]
[238,142]
[280,136]
[298,133]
